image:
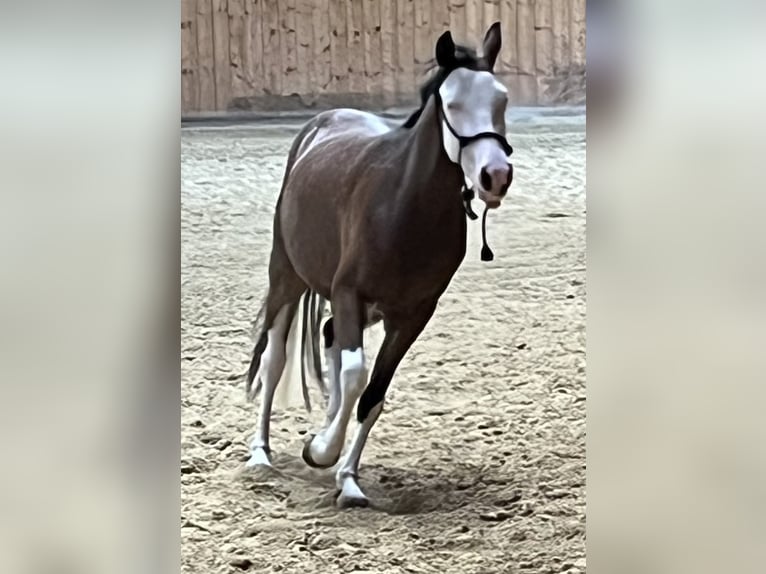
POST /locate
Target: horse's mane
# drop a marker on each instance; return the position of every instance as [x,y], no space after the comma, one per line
[465,57]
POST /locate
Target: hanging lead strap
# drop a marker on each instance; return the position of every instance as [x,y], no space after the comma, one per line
[486,252]
[468,195]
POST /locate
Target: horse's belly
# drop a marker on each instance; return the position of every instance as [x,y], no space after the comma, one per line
[309,229]
[310,219]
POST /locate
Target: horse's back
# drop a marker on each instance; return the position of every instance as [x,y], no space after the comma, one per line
[344,126]
[345,120]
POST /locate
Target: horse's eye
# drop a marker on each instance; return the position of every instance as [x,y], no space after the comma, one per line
[454,106]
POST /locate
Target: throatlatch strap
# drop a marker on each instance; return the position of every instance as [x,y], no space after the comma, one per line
[468,195]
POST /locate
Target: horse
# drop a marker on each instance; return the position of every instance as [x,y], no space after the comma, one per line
[370,219]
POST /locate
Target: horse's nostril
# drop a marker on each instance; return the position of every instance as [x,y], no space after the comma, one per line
[506,182]
[486,180]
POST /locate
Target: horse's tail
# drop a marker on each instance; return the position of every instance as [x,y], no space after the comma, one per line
[260,347]
[311,362]
[303,346]
[303,340]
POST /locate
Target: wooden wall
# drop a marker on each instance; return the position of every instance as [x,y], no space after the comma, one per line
[289,54]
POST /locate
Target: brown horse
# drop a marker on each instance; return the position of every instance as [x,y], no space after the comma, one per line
[370,218]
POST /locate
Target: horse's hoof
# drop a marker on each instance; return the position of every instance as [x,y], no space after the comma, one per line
[306,455]
[350,495]
[259,458]
[351,501]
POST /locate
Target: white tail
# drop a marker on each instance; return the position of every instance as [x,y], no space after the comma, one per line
[289,392]
[292,389]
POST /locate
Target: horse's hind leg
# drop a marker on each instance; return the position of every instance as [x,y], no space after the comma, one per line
[285,290]
[272,365]
[399,337]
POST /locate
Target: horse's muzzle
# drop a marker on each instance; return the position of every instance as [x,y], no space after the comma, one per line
[495,181]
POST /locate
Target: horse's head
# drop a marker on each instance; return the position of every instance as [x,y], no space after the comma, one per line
[473,105]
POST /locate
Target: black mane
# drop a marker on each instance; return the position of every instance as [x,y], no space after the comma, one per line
[465,57]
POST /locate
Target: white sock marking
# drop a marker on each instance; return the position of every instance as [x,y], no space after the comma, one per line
[258,457]
[326,446]
[346,476]
[332,355]
[270,371]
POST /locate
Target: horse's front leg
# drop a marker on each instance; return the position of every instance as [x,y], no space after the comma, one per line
[400,335]
[332,356]
[323,449]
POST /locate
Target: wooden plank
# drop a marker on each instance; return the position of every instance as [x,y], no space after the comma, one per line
[512,81]
[305,76]
[372,47]
[473,31]
[509,55]
[491,14]
[440,19]
[543,46]
[440,22]
[237,47]
[189,63]
[253,53]
[206,57]
[405,47]
[525,45]
[424,49]
[525,36]
[387,39]
[577,33]
[338,48]
[356,80]
[457,21]
[221,54]
[526,94]
[288,47]
[321,45]
[560,27]
[272,48]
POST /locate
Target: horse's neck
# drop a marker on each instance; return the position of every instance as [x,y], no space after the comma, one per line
[429,228]
[431,171]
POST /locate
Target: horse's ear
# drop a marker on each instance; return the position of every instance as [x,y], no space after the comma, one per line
[492,43]
[445,50]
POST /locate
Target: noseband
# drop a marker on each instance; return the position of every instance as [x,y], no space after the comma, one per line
[469,193]
[465,141]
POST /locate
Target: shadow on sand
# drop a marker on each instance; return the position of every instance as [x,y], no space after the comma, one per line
[392,490]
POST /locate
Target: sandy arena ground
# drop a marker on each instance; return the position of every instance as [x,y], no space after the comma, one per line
[478,462]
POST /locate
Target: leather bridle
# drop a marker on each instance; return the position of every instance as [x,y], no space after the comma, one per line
[465,141]
[468,193]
